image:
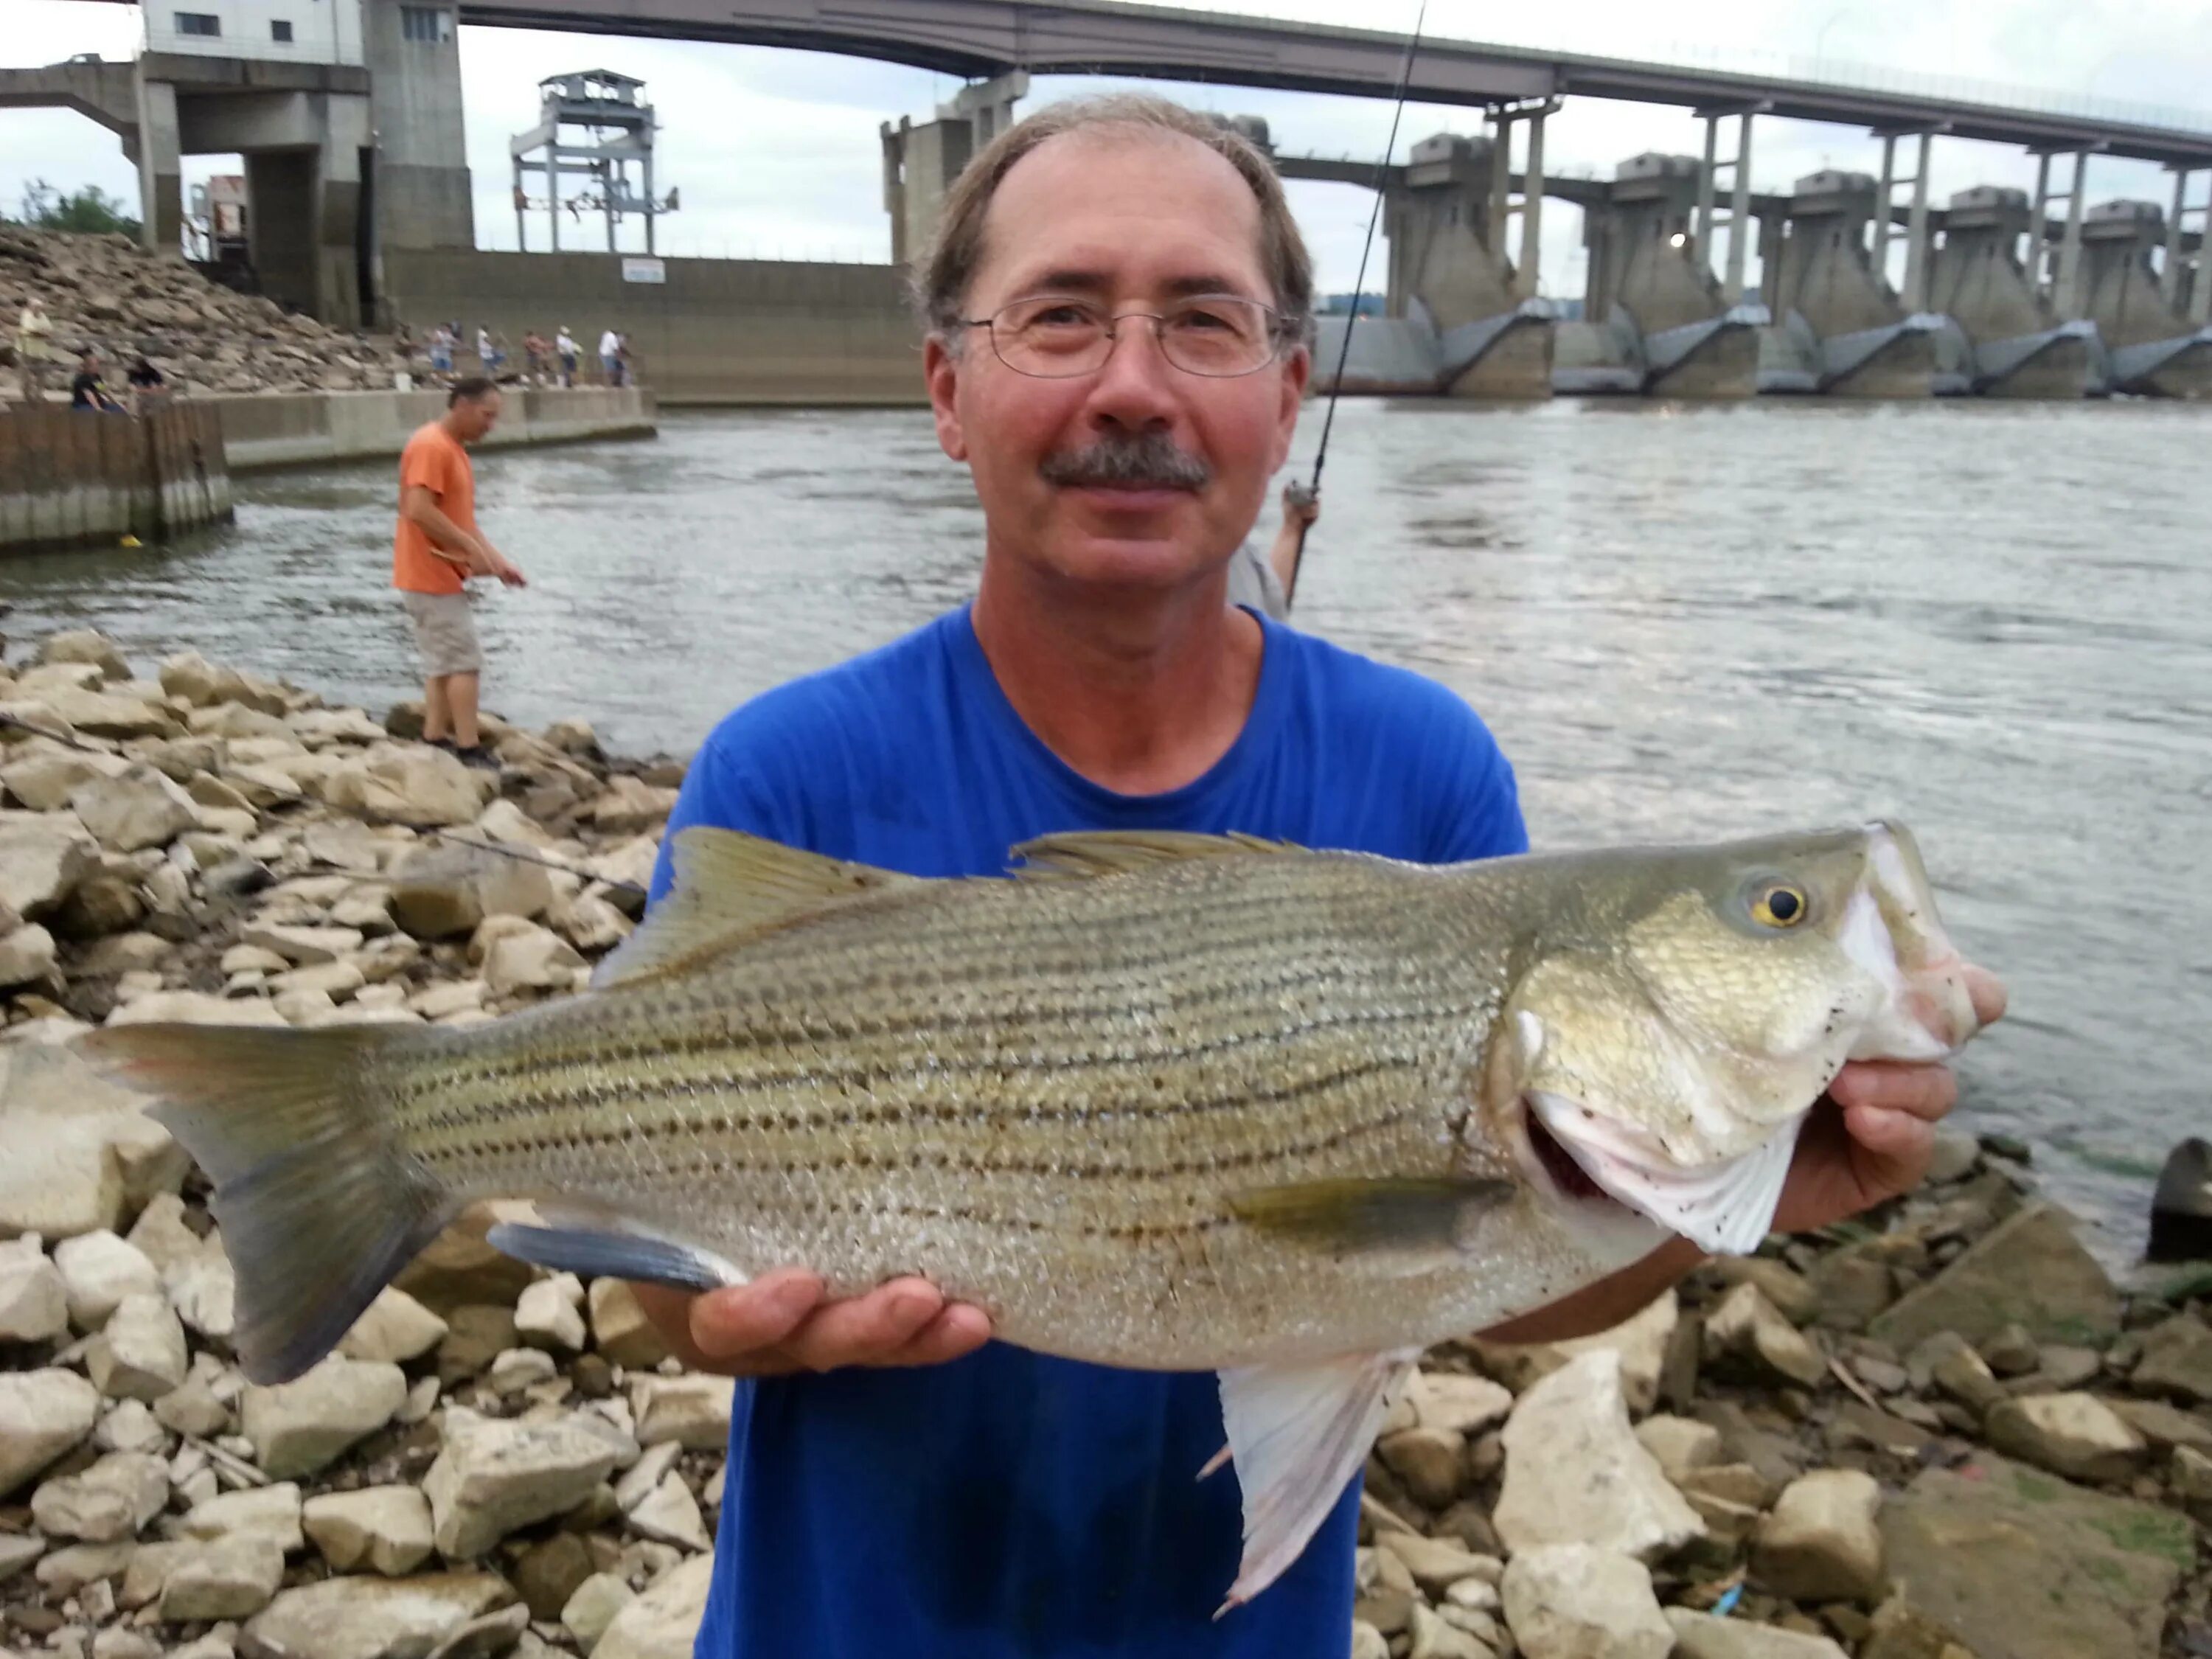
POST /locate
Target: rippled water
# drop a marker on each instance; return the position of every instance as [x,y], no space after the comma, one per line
[1994,622]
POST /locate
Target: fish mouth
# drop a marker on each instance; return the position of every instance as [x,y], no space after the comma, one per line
[1890,932]
[1726,1207]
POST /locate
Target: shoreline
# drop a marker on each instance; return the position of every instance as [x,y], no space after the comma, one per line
[1941,1433]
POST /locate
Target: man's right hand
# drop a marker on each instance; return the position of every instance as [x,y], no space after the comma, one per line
[785,1321]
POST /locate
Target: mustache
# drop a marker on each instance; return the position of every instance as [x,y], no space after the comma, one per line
[1149,459]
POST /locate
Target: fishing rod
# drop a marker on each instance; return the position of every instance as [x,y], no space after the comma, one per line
[1309,493]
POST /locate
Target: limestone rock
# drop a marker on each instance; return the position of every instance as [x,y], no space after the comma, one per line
[394,1328]
[548,1574]
[196,1008]
[233,1577]
[1435,1563]
[1701,1636]
[661,1623]
[1465,1405]
[494,1475]
[387,1529]
[199,682]
[107,714]
[42,860]
[692,1410]
[670,1515]
[33,1305]
[107,1503]
[303,945]
[41,775]
[408,783]
[2176,1358]
[620,1329]
[2023,1565]
[1575,1471]
[1573,1601]
[1432,1463]
[191,1408]
[99,1272]
[26,956]
[1747,1330]
[548,1316]
[1641,1342]
[43,1413]
[139,1353]
[85,645]
[1680,1444]
[138,807]
[81,1152]
[364,1617]
[443,892]
[269,1513]
[530,957]
[1821,1542]
[2075,1435]
[297,1427]
[18,1551]
[2029,1270]
[587,1614]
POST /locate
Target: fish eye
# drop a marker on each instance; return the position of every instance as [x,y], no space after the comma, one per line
[1779,904]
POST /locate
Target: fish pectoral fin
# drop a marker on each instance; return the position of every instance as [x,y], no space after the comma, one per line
[590,1252]
[1423,1217]
[729,886]
[1298,1433]
[1727,1208]
[1086,853]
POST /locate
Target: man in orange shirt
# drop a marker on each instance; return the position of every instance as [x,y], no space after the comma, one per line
[437,548]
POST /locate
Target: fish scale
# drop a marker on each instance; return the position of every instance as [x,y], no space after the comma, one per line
[1170,1101]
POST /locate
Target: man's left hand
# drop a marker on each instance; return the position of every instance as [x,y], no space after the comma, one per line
[1872,1139]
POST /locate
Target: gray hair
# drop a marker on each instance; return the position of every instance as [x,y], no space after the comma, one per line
[946,267]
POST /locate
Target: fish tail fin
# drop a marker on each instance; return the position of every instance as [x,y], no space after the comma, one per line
[319,1204]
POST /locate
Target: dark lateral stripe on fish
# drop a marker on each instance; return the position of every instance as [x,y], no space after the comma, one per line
[954,1163]
[507,1095]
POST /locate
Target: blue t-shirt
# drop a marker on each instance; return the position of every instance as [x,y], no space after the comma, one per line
[1010,1505]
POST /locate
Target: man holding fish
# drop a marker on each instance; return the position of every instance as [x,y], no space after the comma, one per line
[1184,1100]
[1098,659]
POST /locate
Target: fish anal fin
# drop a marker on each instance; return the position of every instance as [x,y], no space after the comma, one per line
[1086,853]
[1298,1433]
[591,1251]
[1420,1217]
[730,885]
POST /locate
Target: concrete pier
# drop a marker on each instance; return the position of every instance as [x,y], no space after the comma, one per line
[1841,328]
[1655,318]
[2020,344]
[2151,346]
[1446,226]
[265,429]
[72,479]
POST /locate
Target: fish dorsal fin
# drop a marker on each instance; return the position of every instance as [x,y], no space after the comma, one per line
[730,885]
[1082,853]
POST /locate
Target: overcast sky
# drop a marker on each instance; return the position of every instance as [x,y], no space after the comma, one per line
[776,152]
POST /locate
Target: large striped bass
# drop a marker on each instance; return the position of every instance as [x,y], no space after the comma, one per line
[1169,1101]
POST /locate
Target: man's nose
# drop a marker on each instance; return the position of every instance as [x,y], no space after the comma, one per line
[1136,386]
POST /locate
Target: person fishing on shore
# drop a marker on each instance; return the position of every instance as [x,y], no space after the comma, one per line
[1117,309]
[88,394]
[33,328]
[436,548]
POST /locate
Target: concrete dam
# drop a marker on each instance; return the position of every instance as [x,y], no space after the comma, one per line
[360,215]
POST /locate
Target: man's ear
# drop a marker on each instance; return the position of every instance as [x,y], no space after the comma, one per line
[940,371]
[1298,370]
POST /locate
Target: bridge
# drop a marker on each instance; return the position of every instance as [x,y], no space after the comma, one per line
[980,40]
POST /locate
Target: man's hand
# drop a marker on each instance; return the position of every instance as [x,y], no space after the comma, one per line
[1301,506]
[1871,1141]
[783,1322]
[496,563]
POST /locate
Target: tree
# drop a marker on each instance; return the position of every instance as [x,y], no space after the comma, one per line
[90,209]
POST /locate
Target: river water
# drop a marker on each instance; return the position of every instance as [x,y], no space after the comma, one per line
[1992,621]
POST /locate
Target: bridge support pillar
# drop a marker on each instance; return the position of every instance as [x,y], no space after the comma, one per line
[1738,168]
[160,165]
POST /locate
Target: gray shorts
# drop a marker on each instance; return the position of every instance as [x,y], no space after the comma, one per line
[445,633]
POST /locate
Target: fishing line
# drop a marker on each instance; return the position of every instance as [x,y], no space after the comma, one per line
[1312,491]
[378,820]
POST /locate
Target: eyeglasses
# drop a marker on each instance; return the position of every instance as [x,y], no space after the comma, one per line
[1052,337]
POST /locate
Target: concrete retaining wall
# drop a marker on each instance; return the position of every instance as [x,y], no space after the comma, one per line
[267,429]
[70,479]
[730,331]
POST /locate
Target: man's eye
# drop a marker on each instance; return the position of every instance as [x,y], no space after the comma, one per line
[1203,322]
[1059,317]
